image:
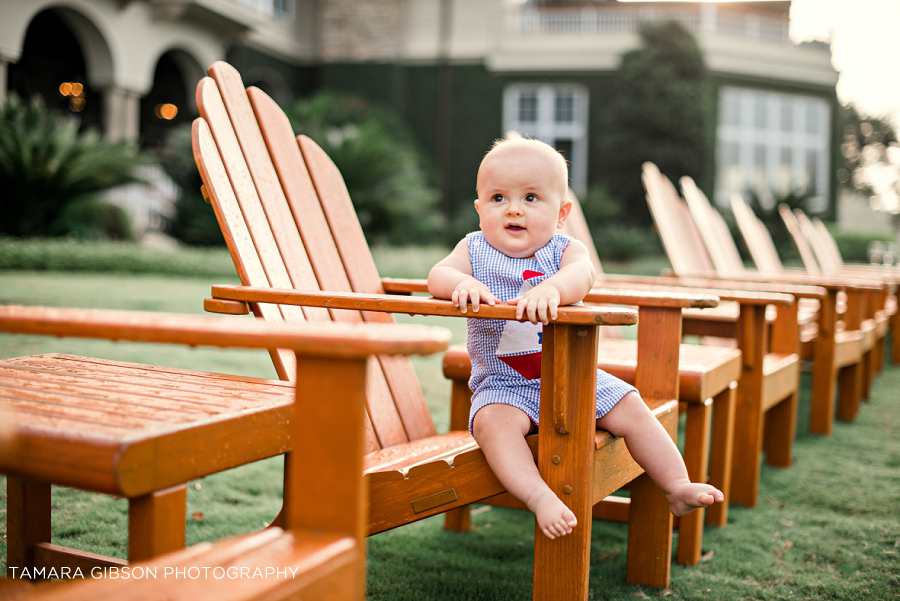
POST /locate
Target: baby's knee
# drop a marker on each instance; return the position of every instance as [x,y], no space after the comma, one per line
[624,413]
[491,419]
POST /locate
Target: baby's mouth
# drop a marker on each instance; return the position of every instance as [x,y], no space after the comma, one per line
[515,227]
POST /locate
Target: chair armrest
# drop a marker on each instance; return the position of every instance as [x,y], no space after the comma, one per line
[320,340]
[661,291]
[725,288]
[414,305]
[404,285]
[825,281]
[638,296]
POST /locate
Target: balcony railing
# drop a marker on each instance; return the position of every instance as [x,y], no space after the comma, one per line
[703,20]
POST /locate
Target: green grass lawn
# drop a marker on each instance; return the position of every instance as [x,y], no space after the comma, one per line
[827,528]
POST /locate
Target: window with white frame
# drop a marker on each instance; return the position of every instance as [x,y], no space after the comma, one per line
[556,114]
[771,143]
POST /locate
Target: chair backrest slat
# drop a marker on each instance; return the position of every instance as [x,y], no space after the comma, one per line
[577,227]
[829,245]
[818,246]
[799,240]
[300,195]
[212,109]
[676,227]
[341,216]
[234,229]
[757,238]
[291,254]
[714,231]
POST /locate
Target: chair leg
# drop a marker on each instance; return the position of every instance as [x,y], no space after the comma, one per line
[895,338]
[27,520]
[745,458]
[868,373]
[721,452]
[850,391]
[458,520]
[649,531]
[156,523]
[696,458]
[824,386]
[780,425]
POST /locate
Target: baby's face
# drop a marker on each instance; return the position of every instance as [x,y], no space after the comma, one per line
[521,199]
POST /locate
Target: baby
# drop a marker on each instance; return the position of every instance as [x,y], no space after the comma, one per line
[518,258]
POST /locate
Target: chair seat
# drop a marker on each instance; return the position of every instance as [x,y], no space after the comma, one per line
[781,372]
[703,371]
[270,564]
[106,426]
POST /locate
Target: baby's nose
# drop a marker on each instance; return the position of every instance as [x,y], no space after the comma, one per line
[513,208]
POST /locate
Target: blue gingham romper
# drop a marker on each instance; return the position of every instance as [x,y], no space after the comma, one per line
[506,354]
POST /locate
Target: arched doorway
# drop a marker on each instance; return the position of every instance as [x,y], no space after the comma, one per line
[53,66]
[169,103]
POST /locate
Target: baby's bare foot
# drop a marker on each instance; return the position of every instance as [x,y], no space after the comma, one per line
[553,517]
[684,497]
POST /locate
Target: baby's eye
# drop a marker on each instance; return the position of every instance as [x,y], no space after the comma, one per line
[497,198]
[530,198]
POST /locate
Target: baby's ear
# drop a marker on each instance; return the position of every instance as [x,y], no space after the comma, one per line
[564,209]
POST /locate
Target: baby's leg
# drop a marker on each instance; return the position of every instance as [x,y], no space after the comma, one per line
[500,431]
[653,449]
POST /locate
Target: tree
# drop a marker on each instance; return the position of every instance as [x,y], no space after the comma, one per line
[870,159]
[385,173]
[663,112]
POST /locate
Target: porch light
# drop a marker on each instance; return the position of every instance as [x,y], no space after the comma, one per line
[166,111]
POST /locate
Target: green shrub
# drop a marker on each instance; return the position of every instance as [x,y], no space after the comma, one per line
[854,246]
[194,221]
[70,254]
[51,174]
[386,175]
[615,238]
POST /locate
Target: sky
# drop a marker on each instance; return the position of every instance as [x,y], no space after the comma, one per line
[865,48]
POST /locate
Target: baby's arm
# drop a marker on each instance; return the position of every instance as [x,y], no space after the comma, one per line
[452,279]
[569,285]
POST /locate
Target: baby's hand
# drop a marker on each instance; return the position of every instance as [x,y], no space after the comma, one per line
[472,291]
[538,304]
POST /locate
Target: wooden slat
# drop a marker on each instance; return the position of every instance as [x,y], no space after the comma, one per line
[309,218]
[677,230]
[416,305]
[300,193]
[331,340]
[341,216]
[801,244]
[713,231]
[212,108]
[234,229]
[363,277]
[292,253]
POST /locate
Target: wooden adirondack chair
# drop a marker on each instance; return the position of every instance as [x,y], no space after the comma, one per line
[762,366]
[883,308]
[320,552]
[836,356]
[292,231]
[845,338]
[133,431]
[767,399]
[875,314]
